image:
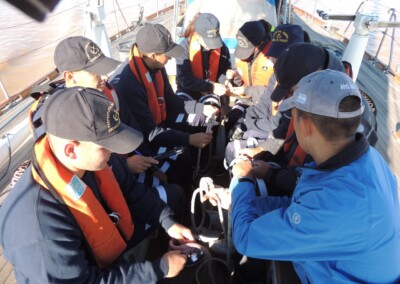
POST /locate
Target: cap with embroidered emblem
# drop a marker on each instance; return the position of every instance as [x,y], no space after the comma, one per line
[207,26]
[250,35]
[80,53]
[156,38]
[85,114]
[284,36]
[321,93]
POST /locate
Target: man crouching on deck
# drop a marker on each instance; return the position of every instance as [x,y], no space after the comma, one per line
[341,224]
[78,208]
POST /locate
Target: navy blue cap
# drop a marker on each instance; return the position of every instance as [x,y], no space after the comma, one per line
[284,36]
[250,35]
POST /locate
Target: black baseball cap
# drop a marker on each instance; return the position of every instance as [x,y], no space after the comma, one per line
[294,63]
[156,38]
[284,36]
[207,26]
[85,114]
[250,35]
[80,53]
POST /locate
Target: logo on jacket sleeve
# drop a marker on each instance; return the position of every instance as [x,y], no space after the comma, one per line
[296,218]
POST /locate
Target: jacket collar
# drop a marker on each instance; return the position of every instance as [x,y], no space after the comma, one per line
[348,155]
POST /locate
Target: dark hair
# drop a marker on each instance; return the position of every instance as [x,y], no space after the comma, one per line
[190,28]
[334,129]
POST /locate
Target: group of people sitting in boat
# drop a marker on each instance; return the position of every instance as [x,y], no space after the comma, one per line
[94,189]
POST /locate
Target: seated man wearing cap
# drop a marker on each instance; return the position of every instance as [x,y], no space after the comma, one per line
[77,208]
[143,84]
[82,64]
[262,131]
[341,225]
[253,67]
[202,66]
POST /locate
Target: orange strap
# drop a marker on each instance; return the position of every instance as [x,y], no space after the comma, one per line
[299,156]
[261,68]
[155,97]
[196,60]
[106,239]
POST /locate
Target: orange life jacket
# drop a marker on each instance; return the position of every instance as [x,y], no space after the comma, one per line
[258,71]
[106,239]
[196,60]
[155,96]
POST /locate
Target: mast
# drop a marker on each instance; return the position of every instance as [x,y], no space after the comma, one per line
[94,27]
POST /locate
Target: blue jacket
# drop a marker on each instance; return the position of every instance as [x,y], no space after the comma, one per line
[43,241]
[340,226]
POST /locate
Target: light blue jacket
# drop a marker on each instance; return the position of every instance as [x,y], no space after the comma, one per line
[340,226]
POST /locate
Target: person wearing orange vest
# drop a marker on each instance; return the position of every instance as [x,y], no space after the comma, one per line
[77,208]
[201,68]
[165,119]
[249,123]
[253,67]
[82,63]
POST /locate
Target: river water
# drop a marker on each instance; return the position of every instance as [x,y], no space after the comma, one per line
[27,47]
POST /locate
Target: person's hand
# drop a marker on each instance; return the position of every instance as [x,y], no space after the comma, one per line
[250,152]
[237,91]
[175,262]
[180,233]
[219,89]
[243,168]
[230,74]
[161,176]
[218,195]
[139,164]
[209,110]
[200,140]
[260,168]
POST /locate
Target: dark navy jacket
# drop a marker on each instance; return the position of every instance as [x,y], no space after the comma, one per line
[44,243]
[134,94]
[196,87]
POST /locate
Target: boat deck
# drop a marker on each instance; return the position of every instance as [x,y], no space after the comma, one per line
[382,88]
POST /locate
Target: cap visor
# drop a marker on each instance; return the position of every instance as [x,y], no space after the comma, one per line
[243,53]
[175,52]
[104,67]
[124,142]
[286,105]
[213,43]
[279,93]
[275,50]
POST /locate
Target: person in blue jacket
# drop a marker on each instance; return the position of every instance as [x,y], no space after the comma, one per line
[341,224]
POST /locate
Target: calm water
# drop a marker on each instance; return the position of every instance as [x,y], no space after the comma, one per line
[26,52]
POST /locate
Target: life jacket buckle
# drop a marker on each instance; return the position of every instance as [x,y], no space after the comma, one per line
[115,217]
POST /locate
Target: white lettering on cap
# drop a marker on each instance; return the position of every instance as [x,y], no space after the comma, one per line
[346,87]
[242,42]
[301,98]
